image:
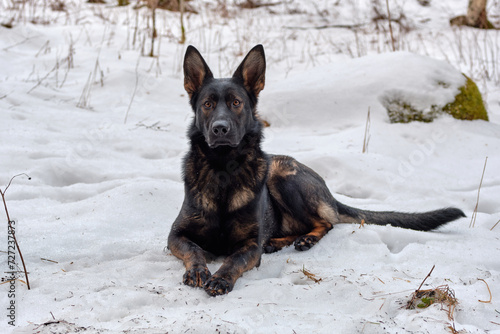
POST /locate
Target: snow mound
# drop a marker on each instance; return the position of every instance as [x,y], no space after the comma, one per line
[342,92]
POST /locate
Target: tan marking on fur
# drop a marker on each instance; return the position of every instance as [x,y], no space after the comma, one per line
[344,219]
[326,212]
[241,231]
[262,170]
[232,271]
[278,168]
[290,225]
[208,203]
[241,198]
[319,231]
[279,243]
[245,195]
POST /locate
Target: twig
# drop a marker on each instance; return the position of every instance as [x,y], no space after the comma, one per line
[55,68]
[11,229]
[153,4]
[155,126]
[84,101]
[491,229]
[48,260]
[489,291]
[367,131]
[85,97]
[19,43]
[426,277]
[328,26]
[474,214]
[310,275]
[251,4]
[183,30]
[390,25]
[135,89]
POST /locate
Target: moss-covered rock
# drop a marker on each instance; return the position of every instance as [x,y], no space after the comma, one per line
[400,111]
[468,105]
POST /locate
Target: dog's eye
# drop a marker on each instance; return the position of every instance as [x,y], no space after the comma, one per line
[236,103]
[207,105]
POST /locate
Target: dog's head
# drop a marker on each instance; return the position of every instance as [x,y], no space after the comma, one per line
[225,109]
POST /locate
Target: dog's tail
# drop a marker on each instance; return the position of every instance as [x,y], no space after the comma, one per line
[423,221]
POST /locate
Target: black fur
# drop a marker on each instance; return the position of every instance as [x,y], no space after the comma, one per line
[239,201]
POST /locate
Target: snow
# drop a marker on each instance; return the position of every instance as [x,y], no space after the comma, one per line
[92,222]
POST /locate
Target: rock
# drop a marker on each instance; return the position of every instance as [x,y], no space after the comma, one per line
[468,105]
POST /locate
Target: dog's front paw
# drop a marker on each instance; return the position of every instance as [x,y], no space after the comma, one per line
[216,286]
[196,277]
[305,242]
[270,247]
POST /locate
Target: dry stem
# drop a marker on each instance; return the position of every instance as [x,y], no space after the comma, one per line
[489,291]
[367,132]
[11,229]
[310,275]
[390,25]
[474,214]
[415,294]
[491,229]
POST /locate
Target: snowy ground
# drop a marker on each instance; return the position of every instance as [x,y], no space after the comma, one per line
[105,180]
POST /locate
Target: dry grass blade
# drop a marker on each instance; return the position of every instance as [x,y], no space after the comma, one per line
[491,229]
[489,291]
[135,89]
[442,295]
[452,329]
[11,228]
[390,26]
[474,214]
[367,132]
[310,275]
[410,303]
[48,260]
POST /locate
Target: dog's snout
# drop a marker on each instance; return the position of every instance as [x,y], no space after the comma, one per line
[220,128]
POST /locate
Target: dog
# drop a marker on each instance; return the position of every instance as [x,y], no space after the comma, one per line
[241,202]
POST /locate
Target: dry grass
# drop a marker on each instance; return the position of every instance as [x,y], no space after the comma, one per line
[366,139]
[310,275]
[489,291]
[12,234]
[442,295]
[491,229]
[474,214]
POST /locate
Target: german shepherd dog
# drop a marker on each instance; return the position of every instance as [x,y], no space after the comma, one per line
[241,202]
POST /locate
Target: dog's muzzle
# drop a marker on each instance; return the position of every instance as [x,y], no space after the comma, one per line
[220,133]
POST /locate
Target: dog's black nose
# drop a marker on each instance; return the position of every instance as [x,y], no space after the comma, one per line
[220,128]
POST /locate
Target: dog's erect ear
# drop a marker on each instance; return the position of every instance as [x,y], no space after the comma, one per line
[252,70]
[195,71]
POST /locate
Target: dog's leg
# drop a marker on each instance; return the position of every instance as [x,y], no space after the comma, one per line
[305,242]
[276,244]
[194,260]
[246,257]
